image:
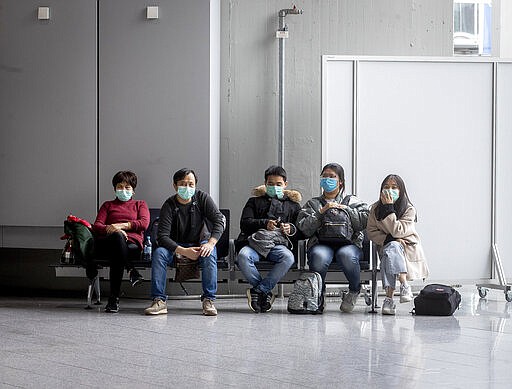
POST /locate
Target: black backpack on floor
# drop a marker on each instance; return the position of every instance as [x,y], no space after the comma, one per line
[436,300]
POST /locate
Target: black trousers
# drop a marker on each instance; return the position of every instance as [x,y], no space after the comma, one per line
[120,253]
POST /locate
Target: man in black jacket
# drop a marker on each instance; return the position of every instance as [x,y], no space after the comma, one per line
[181,231]
[272,208]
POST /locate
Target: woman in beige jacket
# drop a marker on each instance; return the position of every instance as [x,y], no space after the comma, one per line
[391,226]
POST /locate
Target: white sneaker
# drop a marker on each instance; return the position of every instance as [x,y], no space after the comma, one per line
[349,300]
[405,293]
[388,307]
[158,307]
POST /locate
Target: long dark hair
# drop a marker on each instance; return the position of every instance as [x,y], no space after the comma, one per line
[403,201]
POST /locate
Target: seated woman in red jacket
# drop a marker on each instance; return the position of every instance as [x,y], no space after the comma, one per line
[119,230]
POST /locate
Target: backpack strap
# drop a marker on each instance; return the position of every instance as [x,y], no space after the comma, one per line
[346,199]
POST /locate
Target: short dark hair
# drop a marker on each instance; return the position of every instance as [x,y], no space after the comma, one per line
[125,176]
[275,170]
[182,173]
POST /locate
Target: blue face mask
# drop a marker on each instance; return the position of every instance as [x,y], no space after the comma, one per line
[328,184]
[274,191]
[186,192]
[123,194]
[394,193]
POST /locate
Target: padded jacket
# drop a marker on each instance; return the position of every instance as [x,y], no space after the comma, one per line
[261,208]
[310,219]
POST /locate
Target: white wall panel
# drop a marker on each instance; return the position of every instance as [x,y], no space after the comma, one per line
[338,96]
[504,166]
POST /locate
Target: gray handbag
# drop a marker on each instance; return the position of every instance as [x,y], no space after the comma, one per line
[262,241]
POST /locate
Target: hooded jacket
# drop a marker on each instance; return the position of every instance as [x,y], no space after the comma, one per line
[261,208]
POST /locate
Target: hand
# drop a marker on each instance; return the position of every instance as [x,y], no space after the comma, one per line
[285,227]
[272,225]
[331,204]
[123,226]
[402,242]
[111,228]
[385,197]
[206,249]
[189,252]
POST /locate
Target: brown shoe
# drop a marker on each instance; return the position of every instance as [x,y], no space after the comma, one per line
[208,308]
[158,307]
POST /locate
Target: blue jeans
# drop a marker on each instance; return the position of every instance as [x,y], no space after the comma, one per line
[162,258]
[347,257]
[392,263]
[281,256]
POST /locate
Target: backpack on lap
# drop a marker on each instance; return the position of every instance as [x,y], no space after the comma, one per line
[336,224]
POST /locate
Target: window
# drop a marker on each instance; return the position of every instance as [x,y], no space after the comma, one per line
[472,27]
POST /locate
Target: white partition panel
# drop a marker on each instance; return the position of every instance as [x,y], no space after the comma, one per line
[338,97]
[431,123]
[503,166]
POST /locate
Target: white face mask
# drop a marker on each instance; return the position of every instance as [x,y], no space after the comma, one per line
[274,191]
[394,193]
[186,192]
[124,194]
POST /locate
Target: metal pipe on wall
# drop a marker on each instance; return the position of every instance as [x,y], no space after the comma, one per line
[282,34]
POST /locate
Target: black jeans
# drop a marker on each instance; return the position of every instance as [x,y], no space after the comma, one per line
[120,253]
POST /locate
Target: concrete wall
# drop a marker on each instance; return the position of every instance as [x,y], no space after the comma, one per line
[249,78]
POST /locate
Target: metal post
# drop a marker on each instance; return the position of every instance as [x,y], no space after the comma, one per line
[355,105]
[282,34]
[280,135]
[493,163]
[496,264]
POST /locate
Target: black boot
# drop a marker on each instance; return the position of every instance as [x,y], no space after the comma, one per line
[112,305]
[135,277]
[266,301]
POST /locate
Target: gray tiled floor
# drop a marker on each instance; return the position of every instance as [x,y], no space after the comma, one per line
[56,343]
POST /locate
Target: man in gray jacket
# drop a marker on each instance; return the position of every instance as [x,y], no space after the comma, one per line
[181,231]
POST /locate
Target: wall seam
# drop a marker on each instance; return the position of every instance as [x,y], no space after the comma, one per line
[97,104]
